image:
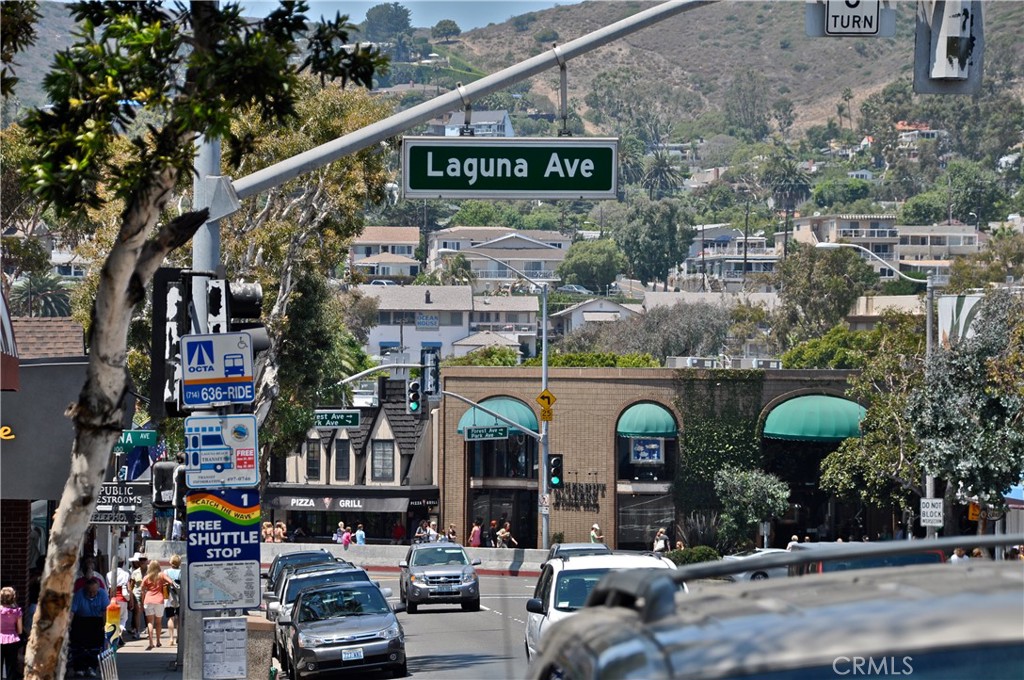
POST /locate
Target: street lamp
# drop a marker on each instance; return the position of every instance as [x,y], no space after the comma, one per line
[929,312]
[545,522]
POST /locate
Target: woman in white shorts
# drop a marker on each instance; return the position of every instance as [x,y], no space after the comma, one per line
[154,594]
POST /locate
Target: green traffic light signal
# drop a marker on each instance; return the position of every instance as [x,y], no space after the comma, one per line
[555,474]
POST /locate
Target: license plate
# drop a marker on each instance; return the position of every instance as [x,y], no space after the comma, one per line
[352,654]
[444,589]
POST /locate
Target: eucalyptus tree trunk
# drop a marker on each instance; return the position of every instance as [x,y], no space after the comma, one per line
[99,413]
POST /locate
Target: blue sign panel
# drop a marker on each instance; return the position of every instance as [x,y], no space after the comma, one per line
[223,548]
[218,369]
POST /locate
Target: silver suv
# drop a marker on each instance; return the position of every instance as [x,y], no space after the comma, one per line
[910,620]
[438,573]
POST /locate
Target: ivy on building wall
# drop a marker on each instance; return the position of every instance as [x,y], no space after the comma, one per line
[720,409]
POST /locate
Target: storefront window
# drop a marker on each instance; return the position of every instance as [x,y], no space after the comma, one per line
[648,459]
[512,458]
[383,461]
[640,517]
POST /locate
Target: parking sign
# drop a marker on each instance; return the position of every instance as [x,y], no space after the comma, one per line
[217,369]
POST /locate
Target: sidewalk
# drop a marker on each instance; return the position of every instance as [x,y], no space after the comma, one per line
[135,663]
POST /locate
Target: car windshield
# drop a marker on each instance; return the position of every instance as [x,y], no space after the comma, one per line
[439,555]
[342,602]
[573,587]
[296,585]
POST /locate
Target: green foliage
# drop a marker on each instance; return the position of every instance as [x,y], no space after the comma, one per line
[694,555]
[148,60]
[748,498]
[474,213]
[592,264]
[523,22]
[546,35]
[747,106]
[445,30]
[493,355]
[40,294]
[838,348]
[385,22]
[24,256]
[17,32]
[652,239]
[926,208]
[817,290]
[595,360]
[721,430]
[840,191]
[969,427]
[1001,259]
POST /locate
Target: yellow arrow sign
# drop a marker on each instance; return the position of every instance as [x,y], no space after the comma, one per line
[546,399]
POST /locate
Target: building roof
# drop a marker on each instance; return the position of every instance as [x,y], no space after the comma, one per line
[385,258]
[374,235]
[484,234]
[407,298]
[506,303]
[48,337]
[598,305]
[486,339]
[768,300]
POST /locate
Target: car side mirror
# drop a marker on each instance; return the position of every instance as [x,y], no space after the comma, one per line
[535,605]
[403,564]
[274,606]
[476,561]
[270,597]
[398,607]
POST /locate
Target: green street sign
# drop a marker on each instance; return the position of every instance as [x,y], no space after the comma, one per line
[129,439]
[510,167]
[476,434]
[330,420]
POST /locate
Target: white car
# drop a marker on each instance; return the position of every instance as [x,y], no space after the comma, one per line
[756,574]
[565,583]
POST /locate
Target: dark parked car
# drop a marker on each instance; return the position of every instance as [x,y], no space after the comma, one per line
[297,557]
[438,573]
[574,289]
[341,628]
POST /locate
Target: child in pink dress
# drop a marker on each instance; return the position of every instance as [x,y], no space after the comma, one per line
[10,632]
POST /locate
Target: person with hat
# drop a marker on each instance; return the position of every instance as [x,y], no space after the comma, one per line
[139,564]
[595,534]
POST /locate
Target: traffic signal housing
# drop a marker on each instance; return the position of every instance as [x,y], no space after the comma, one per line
[556,472]
[413,398]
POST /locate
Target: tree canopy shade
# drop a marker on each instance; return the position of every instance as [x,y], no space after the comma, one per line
[748,497]
[191,70]
[385,22]
[592,264]
[445,30]
[967,420]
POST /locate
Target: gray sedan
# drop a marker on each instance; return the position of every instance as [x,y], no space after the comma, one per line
[341,628]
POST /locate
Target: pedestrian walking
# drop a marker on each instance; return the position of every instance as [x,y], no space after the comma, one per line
[267,533]
[339,532]
[280,532]
[154,587]
[346,538]
[595,534]
[452,535]
[360,535]
[492,534]
[421,533]
[505,538]
[474,534]
[139,564]
[10,632]
[959,555]
[173,603]
[88,619]
[661,541]
[432,535]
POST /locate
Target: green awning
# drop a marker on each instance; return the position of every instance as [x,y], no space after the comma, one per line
[513,409]
[814,418]
[646,420]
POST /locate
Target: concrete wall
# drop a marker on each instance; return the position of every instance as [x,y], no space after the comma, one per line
[494,561]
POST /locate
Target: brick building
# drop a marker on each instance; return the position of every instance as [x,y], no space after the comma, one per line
[619,430]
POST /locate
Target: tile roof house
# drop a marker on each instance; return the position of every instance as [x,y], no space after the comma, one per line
[48,337]
[597,310]
[382,251]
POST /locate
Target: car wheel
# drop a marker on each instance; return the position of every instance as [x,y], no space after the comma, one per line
[411,607]
[471,605]
[400,671]
[759,576]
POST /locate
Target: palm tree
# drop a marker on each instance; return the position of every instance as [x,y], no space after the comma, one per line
[788,184]
[455,271]
[661,174]
[847,98]
[631,159]
[40,295]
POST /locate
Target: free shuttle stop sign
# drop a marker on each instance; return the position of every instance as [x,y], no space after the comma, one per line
[223,548]
[510,167]
[217,370]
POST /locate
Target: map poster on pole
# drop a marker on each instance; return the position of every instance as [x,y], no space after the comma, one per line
[223,549]
[224,648]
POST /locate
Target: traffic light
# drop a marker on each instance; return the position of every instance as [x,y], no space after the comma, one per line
[236,307]
[556,473]
[413,398]
[162,475]
[431,364]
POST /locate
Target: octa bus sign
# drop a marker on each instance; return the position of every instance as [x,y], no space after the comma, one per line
[514,167]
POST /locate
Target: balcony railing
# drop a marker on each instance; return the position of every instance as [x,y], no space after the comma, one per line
[869,233]
[503,327]
[509,275]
